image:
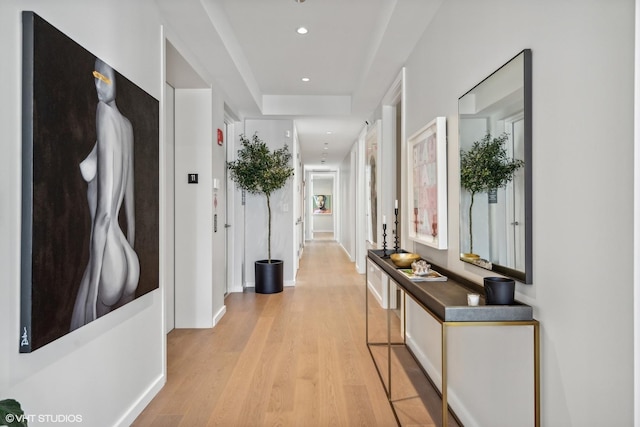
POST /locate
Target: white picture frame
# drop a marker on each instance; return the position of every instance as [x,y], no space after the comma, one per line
[427,185]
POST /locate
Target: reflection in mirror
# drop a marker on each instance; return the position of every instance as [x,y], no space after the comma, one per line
[495,224]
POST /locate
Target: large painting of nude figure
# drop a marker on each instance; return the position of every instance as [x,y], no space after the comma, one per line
[90,187]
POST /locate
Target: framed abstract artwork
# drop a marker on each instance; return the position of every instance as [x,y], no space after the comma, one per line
[90,187]
[427,184]
[372,181]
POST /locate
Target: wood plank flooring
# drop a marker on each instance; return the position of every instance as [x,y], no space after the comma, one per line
[296,358]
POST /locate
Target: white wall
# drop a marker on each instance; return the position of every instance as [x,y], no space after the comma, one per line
[218,171]
[582,181]
[201,248]
[108,370]
[298,213]
[274,133]
[237,212]
[323,184]
[193,210]
[347,203]
[169,261]
[636,211]
[361,211]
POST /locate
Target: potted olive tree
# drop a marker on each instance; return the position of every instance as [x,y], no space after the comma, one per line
[486,167]
[259,170]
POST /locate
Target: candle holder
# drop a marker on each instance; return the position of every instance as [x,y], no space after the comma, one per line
[396,238]
[384,240]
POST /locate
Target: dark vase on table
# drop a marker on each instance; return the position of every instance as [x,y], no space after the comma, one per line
[499,290]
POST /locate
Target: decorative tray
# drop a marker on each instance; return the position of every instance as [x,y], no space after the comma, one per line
[431,276]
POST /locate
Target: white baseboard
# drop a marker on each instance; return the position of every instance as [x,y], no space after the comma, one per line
[138,406]
[351,258]
[286,284]
[375,293]
[219,315]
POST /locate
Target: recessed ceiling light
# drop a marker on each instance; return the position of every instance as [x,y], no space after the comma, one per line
[302,30]
[299,1]
[326,148]
[329,132]
[306,79]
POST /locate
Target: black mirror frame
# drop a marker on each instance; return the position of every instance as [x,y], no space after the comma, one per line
[525,276]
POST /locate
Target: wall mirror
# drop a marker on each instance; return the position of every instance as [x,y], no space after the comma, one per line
[495,135]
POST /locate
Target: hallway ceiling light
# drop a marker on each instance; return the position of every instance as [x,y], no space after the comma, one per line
[306,79]
[302,30]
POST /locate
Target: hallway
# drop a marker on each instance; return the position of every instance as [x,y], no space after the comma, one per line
[289,359]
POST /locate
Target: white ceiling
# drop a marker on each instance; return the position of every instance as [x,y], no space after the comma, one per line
[251,52]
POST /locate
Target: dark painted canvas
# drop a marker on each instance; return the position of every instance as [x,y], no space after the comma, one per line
[90,217]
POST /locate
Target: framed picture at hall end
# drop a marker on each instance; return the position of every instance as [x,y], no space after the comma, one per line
[427,184]
[322,204]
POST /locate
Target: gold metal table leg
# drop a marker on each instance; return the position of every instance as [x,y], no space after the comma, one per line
[445,406]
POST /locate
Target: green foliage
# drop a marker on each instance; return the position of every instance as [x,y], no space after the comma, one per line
[10,412]
[486,166]
[258,170]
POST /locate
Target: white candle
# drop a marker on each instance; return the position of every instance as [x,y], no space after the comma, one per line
[384,219]
[396,204]
[473,299]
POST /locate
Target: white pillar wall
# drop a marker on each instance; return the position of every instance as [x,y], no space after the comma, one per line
[193,209]
[636,216]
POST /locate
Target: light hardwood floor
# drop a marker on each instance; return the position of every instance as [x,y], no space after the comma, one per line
[296,358]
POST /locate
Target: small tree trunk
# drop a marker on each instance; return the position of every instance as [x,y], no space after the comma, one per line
[269,237]
[471,224]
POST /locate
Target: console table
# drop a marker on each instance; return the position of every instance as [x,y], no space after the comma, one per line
[446,302]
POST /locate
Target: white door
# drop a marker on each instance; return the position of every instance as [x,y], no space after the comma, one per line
[228,237]
[518,197]
[515,199]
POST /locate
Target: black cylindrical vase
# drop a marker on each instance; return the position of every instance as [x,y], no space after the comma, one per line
[499,290]
[269,276]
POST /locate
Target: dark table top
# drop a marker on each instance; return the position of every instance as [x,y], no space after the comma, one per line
[448,300]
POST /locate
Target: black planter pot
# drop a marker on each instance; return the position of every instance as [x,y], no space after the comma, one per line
[269,276]
[499,290]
